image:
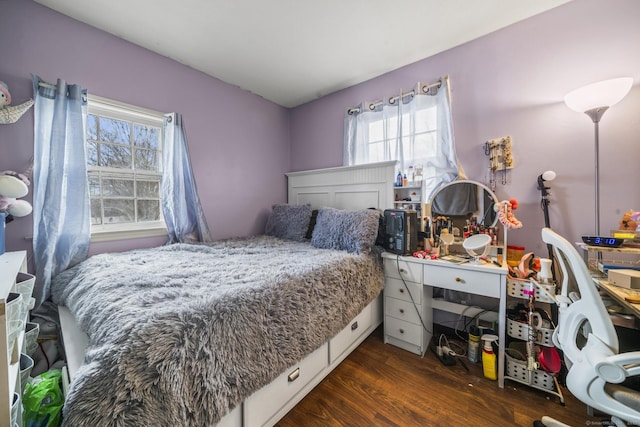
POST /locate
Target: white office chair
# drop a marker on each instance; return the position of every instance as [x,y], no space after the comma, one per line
[589,341]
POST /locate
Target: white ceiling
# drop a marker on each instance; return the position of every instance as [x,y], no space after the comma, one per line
[294,51]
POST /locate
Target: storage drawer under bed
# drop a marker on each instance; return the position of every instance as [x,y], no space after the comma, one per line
[262,405]
[345,338]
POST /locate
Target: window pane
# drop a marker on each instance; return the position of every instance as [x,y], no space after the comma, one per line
[115,131]
[117,187]
[92,127]
[118,211]
[426,120]
[150,189]
[146,136]
[146,160]
[96,212]
[92,153]
[148,210]
[407,125]
[94,185]
[425,146]
[376,152]
[115,156]
[375,131]
[392,127]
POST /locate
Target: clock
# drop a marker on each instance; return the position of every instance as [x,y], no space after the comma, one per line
[610,242]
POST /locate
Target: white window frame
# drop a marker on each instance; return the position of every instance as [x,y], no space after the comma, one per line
[104,107]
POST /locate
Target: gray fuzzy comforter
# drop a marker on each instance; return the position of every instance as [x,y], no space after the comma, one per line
[180,335]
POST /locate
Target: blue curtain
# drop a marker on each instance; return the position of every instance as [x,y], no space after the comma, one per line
[61,210]
[181,207]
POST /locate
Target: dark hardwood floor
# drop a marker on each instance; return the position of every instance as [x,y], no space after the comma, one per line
[382,385]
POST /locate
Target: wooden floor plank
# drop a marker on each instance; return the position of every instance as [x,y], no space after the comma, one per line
[381,385]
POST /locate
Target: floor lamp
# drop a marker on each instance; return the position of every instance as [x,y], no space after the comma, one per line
[594,100]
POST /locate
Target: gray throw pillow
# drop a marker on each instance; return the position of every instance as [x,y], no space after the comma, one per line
[289,222]
[352,231]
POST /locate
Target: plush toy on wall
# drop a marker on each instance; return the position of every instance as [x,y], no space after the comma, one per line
[5,96]
[505,210]
[14,185]
[11,113]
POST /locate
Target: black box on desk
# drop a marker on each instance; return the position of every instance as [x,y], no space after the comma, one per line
[401,231]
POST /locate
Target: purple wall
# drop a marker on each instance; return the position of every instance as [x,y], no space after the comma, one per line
[512,82]
[239,142]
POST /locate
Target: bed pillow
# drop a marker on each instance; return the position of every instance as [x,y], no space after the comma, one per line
[289,222]
[352,231]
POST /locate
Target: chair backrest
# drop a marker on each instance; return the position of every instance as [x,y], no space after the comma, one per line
[586,334]
[586,315]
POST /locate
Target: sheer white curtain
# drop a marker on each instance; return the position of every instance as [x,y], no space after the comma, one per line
[415,129]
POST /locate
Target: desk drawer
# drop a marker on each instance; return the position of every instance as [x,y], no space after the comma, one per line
[410,271]
[402,310]
[457,279]
[395,288]
[402,330]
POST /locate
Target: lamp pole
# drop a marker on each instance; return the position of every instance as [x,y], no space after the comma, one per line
[596,114]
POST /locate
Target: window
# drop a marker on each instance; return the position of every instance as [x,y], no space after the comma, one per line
[414,129]
[124,163]
[417,139]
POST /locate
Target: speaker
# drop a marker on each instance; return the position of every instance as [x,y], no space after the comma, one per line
[401,231]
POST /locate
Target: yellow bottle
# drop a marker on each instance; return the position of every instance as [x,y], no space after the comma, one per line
[489,357]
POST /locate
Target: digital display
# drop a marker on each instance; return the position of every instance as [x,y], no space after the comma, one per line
[602,241]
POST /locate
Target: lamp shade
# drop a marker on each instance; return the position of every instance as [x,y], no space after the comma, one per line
[601,94]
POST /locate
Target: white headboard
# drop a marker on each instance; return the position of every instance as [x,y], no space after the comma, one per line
[344,187]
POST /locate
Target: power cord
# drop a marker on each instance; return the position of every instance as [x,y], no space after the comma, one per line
[447,355]
[415,306]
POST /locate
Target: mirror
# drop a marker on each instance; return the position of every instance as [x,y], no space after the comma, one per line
[463,199]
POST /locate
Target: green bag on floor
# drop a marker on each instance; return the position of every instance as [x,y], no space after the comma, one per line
[43,399]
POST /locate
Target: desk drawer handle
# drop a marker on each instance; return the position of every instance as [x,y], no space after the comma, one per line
[459,280]
[401,290]
[294,375]
[354,326]
[402,331]
[403,271]
[402,311]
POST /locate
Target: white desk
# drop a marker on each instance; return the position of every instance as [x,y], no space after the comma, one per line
[409,282]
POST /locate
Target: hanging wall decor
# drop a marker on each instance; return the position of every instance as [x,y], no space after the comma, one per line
[500,160]
[11,113]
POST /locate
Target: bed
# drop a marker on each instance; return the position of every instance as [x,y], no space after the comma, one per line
[231,333]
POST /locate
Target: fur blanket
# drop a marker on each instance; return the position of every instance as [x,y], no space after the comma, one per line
[182,334]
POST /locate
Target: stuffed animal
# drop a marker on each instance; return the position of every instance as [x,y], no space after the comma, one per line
[636,217]
[505,210]
[5,96]
[629,221]
[14,185]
